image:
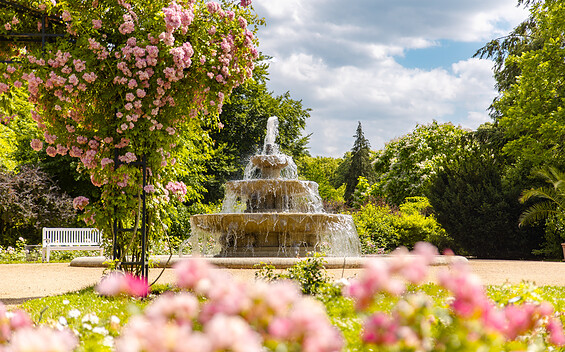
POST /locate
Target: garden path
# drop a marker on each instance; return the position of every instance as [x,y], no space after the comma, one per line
[20,282]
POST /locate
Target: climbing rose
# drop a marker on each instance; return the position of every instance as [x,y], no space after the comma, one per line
[80,202]
[36,144]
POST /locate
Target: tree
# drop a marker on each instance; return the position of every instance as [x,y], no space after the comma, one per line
[357,164]
[129,82]
[321,170]
[405,165]
[30,200]
[476,206]
[529,71]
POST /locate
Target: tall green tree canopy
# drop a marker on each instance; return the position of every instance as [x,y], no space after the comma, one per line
[405,165]
[530,65]
[322,170]
[475,204]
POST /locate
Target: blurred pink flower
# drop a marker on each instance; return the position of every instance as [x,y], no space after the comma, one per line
[191,272]
[96,24]
[43,339]
[117,283]
[66,16]
[232,333]
[556,335]
[380,329]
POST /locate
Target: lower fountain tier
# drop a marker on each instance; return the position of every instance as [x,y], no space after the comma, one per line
[273,234]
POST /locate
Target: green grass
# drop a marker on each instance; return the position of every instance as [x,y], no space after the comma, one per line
[98,320]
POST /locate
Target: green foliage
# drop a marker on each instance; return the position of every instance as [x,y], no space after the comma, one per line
[321,170]
[417,223]
[96,320]
[552,198]
[521,39]
[383,228]
[477,207]
[309,273]
[554,236]
[404,167]
[15,122]
[357,164]
[375,226]
[529,71]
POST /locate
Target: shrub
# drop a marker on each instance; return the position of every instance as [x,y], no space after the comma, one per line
[382,227]
[309,273]
[30,200]
[554,236]
[376,228]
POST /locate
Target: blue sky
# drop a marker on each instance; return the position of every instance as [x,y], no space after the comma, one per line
[389,64]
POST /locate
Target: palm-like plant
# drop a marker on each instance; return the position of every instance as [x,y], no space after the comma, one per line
[553,198]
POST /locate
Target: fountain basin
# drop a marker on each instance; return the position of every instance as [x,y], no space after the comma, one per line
[276,234]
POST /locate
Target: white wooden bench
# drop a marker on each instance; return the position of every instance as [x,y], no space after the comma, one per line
[70,239]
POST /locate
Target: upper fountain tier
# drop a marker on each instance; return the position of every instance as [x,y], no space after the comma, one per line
[271,163]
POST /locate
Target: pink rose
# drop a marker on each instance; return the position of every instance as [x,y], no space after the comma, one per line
[36,144]
[80,202]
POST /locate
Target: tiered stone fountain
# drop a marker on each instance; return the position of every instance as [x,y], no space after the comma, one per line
[270,213]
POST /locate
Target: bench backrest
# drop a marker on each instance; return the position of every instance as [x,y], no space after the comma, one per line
[71,236]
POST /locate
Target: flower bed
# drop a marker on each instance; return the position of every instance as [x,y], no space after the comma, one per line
[386,308]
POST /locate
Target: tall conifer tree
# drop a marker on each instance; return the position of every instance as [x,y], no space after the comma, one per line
[360,163]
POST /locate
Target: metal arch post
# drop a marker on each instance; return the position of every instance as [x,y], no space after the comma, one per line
[142,263]
[145,266]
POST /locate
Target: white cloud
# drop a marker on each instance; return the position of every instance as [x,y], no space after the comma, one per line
[342,60]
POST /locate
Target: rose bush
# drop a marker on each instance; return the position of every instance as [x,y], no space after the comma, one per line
[129,81]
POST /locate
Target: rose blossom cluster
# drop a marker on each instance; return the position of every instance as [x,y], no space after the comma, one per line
[80,202]
[218,313]
[470,311]
[177,188]
[17,334]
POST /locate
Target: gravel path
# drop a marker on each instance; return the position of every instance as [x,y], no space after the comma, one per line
[20,282]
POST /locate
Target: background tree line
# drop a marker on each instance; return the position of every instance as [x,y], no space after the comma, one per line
[457,188]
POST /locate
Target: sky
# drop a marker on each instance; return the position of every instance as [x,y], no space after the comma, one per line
[392,65]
